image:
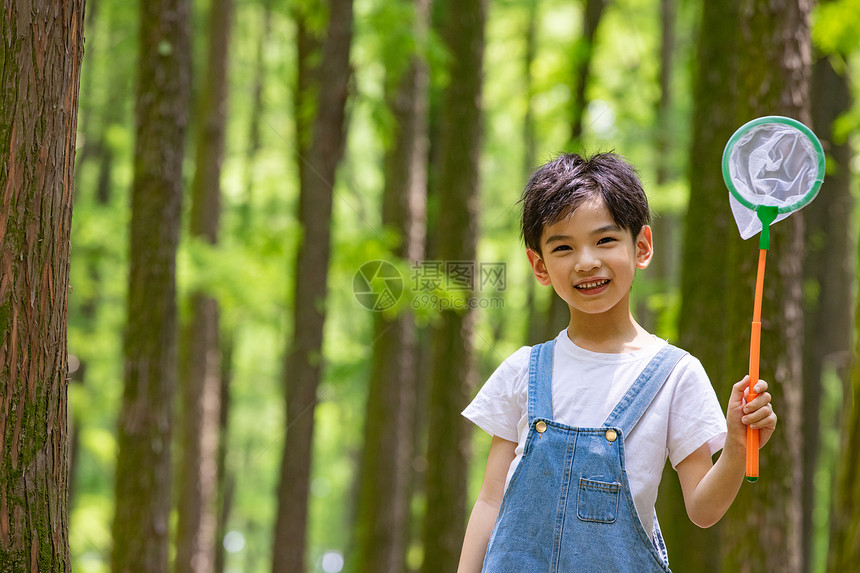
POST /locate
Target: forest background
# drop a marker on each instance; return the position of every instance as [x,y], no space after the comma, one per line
[331,240]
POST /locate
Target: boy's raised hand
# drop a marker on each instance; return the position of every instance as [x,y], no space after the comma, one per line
[758,414]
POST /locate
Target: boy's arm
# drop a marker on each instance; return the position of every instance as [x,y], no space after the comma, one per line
[486,506]
[710,488]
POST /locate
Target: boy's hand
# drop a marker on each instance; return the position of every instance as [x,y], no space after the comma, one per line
[758,414]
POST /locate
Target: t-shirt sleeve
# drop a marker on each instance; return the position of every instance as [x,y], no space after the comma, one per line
[697,417]
[498,406]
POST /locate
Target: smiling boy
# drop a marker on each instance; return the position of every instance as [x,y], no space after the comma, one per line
[583,424]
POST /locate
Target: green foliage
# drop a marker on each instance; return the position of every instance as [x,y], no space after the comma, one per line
[835,26]
[251,271]
[314,13]
[834,33]
[226,272]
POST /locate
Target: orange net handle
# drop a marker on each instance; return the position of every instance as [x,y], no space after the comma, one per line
[755,351]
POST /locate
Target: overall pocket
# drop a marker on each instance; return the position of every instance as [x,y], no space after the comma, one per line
[597,501]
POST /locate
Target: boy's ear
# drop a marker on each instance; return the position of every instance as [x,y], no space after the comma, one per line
[644,248]
[538,267]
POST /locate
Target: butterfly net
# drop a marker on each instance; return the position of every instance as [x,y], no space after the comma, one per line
[773,162]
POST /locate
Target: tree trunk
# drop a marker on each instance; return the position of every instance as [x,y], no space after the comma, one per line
[582,58]
[226,477]
[143,473]
[452,373]
[85,89]
[559,313]
[535,297]
[43,46]
[102,111]
[663,271]
[384,494]
[383,517]
[830,264]
[200,373]
[254,120]
[114,114]
[831,98]
[685,541]
[113,109]
[844,551]
[304,361]
[754,60]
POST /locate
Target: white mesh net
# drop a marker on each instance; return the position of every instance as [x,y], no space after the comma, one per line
[773,164]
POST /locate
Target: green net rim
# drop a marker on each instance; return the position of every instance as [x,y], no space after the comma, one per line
[742,130]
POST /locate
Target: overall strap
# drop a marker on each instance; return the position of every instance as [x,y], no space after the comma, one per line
[540,381]
[640,395]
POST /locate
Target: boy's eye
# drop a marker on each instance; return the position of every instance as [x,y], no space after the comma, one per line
[605,240]
[561,248]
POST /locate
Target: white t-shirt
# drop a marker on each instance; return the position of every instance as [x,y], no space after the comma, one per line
[684,415]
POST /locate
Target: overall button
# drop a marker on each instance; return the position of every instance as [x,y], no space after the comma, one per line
[611,435]
[540,427]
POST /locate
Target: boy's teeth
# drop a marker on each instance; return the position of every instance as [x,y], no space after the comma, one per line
[592,285]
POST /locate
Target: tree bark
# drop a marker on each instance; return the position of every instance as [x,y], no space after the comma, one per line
[385,480]
[200,372]
[40,66]
[145,425]
[452,374]
[754,60]
[304,361]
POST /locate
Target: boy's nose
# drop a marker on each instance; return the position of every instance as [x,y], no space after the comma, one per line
[587,261]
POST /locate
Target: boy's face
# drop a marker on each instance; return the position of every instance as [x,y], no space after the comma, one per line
[590,261]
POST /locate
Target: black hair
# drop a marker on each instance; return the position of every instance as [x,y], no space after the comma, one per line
[559,187]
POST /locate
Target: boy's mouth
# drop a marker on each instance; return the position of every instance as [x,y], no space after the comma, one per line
[592,284]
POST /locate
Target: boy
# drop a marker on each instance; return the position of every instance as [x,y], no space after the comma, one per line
[582,425]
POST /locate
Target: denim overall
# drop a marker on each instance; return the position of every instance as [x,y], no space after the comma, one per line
[568,507]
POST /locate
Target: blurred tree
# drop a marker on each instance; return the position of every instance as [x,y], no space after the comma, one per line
[829,269]
[200,369]
[254,118]
[685,541]
[321,95]
[226,476]
[43,45]
[385,472]
[844,551]
[102,114]
[112,111]
[835,34]
[226,480]
[663,139]
[535,324]
[583,56]
[532,22]
[662,271]
[145,423]
[456,235]
[753,60]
